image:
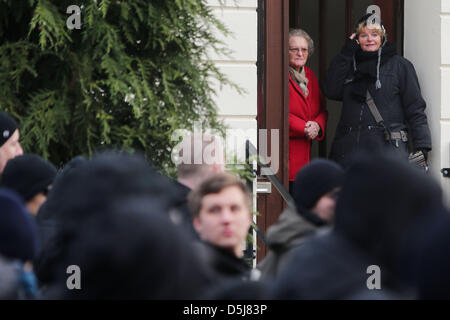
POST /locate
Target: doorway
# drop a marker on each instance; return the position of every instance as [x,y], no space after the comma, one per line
[330,23]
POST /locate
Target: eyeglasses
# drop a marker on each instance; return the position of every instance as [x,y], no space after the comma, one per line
[297,50]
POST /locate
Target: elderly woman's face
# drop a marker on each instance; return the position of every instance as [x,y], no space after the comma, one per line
[298,52]
[369,39]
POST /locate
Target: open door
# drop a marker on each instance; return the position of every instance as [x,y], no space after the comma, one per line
[329,23]
[273,102]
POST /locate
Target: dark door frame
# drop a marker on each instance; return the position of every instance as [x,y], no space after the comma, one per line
[273,87]
[273,101]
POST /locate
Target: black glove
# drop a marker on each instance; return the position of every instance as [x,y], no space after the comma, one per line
[425,153]
[350,47]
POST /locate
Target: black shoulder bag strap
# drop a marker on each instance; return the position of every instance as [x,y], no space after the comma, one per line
[388,135]
[417,158]
[374,110]
[377,115]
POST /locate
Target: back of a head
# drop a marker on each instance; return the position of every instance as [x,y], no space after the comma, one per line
[28,175]
[18,232]
[201,153]
[215,184]
[371,23]
[89,189]
[134,252]
[381,199]
[433,263]
[48,213]
[240,290]
[314,180]
[9,145]
[92,185]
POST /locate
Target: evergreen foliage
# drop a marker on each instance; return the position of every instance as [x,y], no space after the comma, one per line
[135,71]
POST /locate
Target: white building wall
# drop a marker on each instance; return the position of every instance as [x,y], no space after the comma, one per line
[445,86]
[238,110]
[427,46]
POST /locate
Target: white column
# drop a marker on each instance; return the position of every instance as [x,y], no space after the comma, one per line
[427,46]
[238,111]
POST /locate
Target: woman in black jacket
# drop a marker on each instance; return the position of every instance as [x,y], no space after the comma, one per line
[368,63]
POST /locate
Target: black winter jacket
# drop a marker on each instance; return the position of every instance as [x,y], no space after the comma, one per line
[381,219]
[223,265]
[399,101]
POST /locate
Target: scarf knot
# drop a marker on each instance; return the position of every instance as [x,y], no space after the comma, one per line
[300,79]
[367,69]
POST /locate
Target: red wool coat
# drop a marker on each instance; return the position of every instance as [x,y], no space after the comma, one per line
[302,110]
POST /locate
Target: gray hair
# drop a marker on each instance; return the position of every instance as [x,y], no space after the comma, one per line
[198,143]
[305,35]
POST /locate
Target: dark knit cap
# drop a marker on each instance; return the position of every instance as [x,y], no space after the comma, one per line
[28,175]
[364,19]
[7,127]
[18,231]
[314,180]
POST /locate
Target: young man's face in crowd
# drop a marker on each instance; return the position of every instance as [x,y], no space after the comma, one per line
[224,219]
[10,149]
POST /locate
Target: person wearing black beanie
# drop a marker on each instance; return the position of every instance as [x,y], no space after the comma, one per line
[9,139]
[31,177]
[19,242]
[316,187]
[132,251]
[382,219]
[315,190]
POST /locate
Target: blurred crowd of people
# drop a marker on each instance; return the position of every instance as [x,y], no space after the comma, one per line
[134,233]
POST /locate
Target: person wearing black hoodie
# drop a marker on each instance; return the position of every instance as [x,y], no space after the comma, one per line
[315,192]
[132,251]
[382,201]
[10,146]
[368,63]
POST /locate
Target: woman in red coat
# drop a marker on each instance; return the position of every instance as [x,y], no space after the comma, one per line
[307,115]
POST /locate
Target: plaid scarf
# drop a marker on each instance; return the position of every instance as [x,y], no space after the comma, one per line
[300,79]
